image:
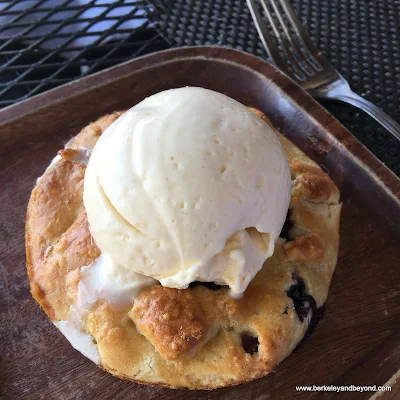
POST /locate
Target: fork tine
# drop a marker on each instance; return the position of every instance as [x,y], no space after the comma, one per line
[313,53]
[299,55]
[266,38]
[295,64]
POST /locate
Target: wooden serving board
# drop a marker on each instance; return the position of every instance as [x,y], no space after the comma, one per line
[358,340]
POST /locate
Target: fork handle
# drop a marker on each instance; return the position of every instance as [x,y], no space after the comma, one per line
[354,99]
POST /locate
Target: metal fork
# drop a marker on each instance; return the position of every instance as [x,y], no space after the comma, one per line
[298,57]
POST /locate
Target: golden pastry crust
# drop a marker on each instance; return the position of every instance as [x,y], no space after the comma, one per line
[200,337]
[172,320]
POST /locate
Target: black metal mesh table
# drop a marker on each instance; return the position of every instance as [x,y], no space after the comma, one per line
[46,43]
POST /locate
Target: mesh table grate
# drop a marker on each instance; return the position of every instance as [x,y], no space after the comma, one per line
[46,43]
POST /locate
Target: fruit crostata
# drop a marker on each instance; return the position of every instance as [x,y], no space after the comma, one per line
[200,337]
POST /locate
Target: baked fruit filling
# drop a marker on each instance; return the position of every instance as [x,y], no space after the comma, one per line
[197,333]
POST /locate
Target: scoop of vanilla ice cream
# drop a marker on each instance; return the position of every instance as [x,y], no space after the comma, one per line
[188,185]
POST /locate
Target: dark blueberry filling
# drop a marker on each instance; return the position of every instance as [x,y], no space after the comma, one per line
[303,304]
[316,317]
[208,285]
[287,226]
[302,301]
[250,343]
